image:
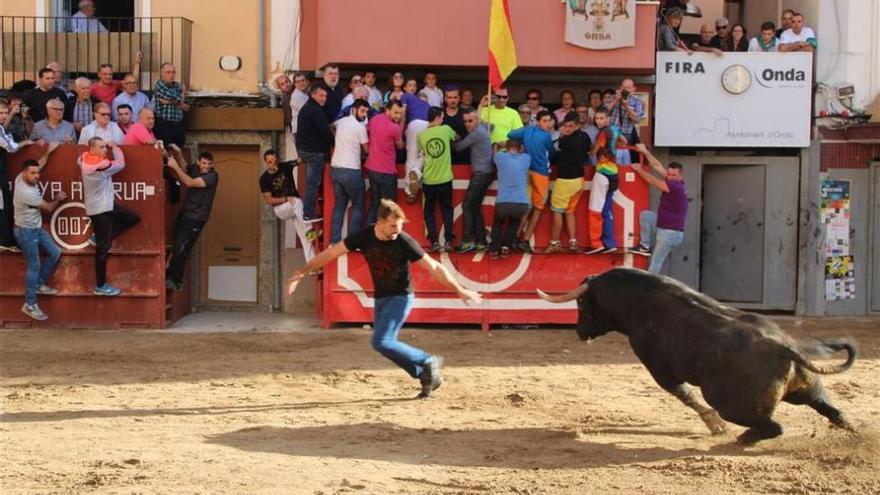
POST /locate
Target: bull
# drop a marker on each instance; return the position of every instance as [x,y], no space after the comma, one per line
[743,363]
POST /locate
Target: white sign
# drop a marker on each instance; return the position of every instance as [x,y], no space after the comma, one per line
[600,24]
[735,100]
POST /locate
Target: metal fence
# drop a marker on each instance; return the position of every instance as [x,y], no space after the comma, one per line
[27,44]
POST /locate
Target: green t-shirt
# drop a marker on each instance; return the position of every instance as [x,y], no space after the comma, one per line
[436,144]
[503,121]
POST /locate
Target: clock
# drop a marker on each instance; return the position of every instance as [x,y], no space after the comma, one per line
[736,79]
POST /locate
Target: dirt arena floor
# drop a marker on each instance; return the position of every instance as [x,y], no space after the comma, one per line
[318,412]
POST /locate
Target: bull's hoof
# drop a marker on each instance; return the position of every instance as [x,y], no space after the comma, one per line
[713,421]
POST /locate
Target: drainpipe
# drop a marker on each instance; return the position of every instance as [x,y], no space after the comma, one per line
[262,87]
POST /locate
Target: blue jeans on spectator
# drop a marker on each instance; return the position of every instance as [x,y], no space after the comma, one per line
[663,240]
[314,176]
[474,226]
[30,241]
[438,193]
[348,184]
[389,315]
[382,186]
[608,239]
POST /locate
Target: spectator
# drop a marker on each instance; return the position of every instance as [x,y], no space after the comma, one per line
[785,23]
[169,99]
[604,135]
[313,141]
[416,121]
[411,86]
[54,128]
[608,96]
[124,117]
[17,124]
[61,80]
[665,229]
[8,144]
[345,169]
[538,144]
[583,117]
[141,133]
[34,102]
[395,87]
[722,28]
[30,235]
[333,103]
[467,98]
[278,188]
[131,96]
[201,182]
[601,211]
[798,38]
[594,101]
[766,41]
[298,98]
[667,33]
[386,137]
[707,41]
[574,150]
[626,113]
[477,144]
[566,99]
[107,88]
[375,97]
[433,94]
[738,40]
[525,114]
[454,118]
[109,221]
[360,93]
[284,85]
[435,143]
[80,107]
[102,127]
[533,100]
[357,81]
[512,201]
[501,118]
[84,21]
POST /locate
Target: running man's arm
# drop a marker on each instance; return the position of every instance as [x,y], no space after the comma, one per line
[442,275]
[650,179]
[324,257]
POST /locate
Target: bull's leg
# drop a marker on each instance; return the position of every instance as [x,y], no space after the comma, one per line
[766,428]
[709,416]
[814,395]
[825,408]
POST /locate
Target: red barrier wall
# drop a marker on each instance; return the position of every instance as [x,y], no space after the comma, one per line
[508,284]
[137,259]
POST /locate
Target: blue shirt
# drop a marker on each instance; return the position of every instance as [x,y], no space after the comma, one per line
[136,102]
[513,176]
[538,143]
[416,108]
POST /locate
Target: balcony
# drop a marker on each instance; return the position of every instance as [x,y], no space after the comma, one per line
[27,44]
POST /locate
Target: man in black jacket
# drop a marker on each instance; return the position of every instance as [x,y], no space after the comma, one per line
[335,95]
[35,100]
[313,141]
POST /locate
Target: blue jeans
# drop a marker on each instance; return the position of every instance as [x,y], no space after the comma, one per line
[474,226]
[663,240]
[438,193]
[314,176]
[382,186]
[348,184]
[388,316]
[30,241]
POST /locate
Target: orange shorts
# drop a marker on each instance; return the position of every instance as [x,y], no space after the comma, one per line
[538,187]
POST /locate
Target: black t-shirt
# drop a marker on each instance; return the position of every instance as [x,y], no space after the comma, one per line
[281,183]
[36,100]
[457,123]
[200,199]
[388,260]
[715,42]
[574,150]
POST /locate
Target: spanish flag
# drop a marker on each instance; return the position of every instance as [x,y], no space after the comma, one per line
[502,49]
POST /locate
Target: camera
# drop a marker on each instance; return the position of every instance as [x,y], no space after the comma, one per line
[624,94]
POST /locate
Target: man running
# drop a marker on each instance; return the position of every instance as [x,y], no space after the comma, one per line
[388,251]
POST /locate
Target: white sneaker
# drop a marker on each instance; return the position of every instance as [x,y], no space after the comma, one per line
[34,312]
[46,290]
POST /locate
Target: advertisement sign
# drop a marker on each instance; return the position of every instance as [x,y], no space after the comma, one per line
[600,24]
[835,212]
[735,100]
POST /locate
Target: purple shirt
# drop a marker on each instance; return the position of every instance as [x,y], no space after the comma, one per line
[416,108]
[384,133]
[673,206]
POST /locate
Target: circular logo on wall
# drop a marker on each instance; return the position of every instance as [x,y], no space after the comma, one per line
[435,147]
[70,226]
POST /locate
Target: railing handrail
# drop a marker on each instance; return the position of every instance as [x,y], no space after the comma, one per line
[97,17]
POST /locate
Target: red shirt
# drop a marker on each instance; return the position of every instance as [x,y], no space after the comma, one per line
[138,134]
[104,93]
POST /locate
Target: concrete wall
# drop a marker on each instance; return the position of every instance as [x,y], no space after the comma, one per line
[712,9]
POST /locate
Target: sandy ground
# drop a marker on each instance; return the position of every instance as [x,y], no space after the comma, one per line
[318,412]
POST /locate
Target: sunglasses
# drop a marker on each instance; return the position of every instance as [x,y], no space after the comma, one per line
[720,27]
[104,114]
[56,109]
[501,97]
[533,98]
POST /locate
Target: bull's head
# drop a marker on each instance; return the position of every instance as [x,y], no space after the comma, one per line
[588,325]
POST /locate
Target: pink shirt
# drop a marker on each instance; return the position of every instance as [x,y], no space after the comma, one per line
[106,93]
[384,133]
[138,134]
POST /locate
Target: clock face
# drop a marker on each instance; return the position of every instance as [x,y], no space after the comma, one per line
[736,79]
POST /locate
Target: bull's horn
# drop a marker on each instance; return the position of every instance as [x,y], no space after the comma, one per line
[564,297]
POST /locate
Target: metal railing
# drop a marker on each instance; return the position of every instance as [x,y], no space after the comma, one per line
[27,44]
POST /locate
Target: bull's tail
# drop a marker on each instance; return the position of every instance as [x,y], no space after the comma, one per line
[824,347]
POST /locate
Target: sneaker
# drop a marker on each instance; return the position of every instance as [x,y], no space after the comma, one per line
[524,247]
[448,248]
[107,290]
[642,250]
[313,219]
[413,180]
[430,378]
[93,241]
[594,250]
[609,250]
[480,247]
[34,312]
[436,247]
[505,252]
[46,290]
[573,246]
[467,247]
[11,249]
[553,248]
[494,255]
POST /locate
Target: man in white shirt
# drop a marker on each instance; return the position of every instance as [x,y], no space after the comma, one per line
[345,169]
[298,98]
[357,81]
[132,97]
[798,38]
[375,98]
[102,127]
[766,40]
[85,21]
[433,93]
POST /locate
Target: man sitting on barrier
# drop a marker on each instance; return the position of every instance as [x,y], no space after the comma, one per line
[512,201]
[435,143]
[279,191]
[388,251]
[539,144]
